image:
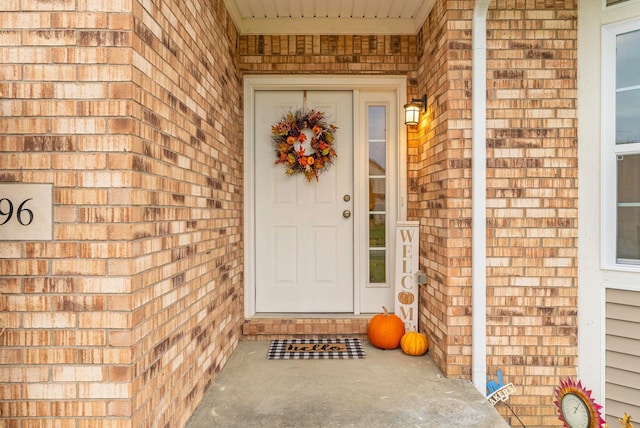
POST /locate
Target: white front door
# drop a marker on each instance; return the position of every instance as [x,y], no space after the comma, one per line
[303,229]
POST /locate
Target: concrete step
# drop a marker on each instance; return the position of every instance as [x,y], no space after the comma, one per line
[269,328]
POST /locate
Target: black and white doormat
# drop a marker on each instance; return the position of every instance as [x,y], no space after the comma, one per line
[316,349]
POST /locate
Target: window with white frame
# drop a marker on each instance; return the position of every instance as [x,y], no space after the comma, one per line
[621,145]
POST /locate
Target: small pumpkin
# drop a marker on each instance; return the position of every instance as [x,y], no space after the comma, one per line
[405,297]
[414,343]
[385,330]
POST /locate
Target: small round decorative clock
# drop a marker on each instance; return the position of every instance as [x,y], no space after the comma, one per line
[576,408]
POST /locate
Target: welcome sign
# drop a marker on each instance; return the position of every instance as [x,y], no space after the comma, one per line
[406,300]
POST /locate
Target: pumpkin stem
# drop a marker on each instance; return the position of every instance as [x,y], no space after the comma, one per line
[386,312]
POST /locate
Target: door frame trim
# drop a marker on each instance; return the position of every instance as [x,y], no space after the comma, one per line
[253,83]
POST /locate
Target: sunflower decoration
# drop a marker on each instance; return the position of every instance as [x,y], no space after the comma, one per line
[289,137]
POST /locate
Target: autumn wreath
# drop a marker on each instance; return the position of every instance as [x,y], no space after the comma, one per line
[290,134]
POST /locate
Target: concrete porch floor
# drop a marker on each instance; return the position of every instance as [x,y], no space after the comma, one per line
[386,389]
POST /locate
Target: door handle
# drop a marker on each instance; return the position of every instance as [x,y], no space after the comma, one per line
[346,213]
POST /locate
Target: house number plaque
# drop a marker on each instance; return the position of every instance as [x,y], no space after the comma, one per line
[26,212]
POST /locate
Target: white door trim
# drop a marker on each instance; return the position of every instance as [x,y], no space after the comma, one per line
[253,83]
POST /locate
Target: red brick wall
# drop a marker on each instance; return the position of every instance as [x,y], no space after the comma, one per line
[125,317]
[532,195]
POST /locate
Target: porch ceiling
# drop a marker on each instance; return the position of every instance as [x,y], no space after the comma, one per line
[329,16]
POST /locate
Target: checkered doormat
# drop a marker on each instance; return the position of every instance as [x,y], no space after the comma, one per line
[315,349]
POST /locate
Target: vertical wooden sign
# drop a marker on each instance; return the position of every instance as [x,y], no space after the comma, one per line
[406,296]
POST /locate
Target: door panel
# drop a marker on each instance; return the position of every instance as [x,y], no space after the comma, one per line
[304,244]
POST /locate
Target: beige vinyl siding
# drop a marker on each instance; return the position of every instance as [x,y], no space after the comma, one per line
[622,374]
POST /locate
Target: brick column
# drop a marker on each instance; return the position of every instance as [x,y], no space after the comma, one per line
[531,190]
[124,318]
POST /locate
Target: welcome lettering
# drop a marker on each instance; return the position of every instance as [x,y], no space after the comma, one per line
[406,266]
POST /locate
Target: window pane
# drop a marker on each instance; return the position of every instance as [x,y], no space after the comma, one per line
[628,116]
[628,226]
[377,157]
[377,140]
[377,230]
[377,266]
[377,194]
[628,88]
[628,235]
[628,60]
[377,122]
[629,179]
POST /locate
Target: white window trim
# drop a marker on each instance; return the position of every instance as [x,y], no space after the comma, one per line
[626,3]
[592,277]
[368,290]
[608,146]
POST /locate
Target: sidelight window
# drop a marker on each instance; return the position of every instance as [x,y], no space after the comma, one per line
[377,200]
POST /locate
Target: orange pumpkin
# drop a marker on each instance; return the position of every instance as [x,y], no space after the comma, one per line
[385,330]
[414,343]
[405,297]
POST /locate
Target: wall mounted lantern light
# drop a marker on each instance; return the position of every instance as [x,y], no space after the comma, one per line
[413,108]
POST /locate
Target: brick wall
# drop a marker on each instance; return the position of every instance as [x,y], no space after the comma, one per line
[532,195]
[440,186]
[327,54]
[125,317]
[533,200]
